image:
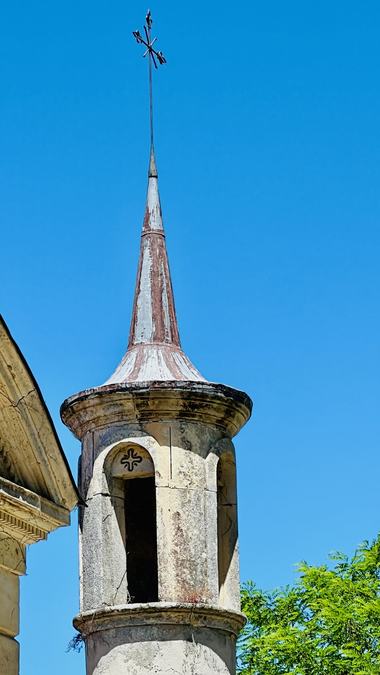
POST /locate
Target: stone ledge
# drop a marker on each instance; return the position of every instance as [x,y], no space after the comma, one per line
[160,613]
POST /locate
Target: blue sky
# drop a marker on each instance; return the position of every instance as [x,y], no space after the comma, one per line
[268,152]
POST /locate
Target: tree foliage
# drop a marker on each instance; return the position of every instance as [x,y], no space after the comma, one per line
[328,623]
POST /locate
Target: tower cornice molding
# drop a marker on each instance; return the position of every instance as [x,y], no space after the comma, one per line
[211,404]
[160,613]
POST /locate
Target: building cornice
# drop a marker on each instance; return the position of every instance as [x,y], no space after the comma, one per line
[26,516]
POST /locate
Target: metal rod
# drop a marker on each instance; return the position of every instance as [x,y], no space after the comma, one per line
[152,55]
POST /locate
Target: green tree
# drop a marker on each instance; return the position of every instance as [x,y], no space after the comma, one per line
[328,623]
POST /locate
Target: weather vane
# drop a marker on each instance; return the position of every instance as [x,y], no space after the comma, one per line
[153,57]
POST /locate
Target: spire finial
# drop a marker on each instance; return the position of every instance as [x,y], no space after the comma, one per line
[154,56]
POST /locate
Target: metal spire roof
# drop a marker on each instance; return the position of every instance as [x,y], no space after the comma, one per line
[154,350]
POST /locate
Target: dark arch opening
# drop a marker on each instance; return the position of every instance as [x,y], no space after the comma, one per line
[141,539]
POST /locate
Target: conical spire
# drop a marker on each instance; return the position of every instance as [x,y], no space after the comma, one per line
[154,350]
[153,318]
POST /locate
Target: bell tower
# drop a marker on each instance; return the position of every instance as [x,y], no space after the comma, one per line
[159,567]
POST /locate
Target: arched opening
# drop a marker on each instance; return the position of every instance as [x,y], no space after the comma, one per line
[227,533]
[141,539]
[133,472]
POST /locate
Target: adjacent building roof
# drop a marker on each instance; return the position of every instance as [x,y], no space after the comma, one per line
[31,455]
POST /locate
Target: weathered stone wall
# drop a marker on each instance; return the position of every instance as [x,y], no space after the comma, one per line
[185,459]
[161,650]
[11,559]
[179,433]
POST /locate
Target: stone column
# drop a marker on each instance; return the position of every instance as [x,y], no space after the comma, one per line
[25,518]
[12,564]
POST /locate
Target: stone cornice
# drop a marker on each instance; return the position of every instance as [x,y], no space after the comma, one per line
[26,516]
[208,403]
[160,613]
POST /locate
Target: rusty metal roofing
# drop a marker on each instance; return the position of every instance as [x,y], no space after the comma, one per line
[154,349]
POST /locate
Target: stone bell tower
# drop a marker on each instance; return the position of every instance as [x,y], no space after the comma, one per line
[158,536]
[159,568]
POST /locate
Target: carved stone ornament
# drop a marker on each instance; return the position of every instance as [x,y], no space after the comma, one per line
[132,462]
[131,459]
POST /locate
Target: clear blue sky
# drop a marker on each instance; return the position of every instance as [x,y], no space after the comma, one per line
[268,148]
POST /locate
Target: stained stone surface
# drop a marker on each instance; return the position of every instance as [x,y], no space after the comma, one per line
[135,652]
[186,512]
[9,656]
[9,601]
[182,446]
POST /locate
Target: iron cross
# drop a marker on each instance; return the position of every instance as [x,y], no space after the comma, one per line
[153,56]
[148,42]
